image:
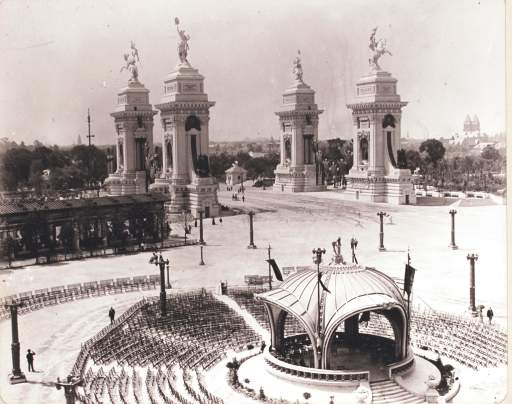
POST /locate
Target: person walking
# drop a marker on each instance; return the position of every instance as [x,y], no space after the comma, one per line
[490,314]
[30,360]
[263,345]
[112,314]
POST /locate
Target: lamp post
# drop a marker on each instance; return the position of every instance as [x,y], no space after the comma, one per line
[159,261]
[16,375]
[453,246]
[69,385]
[202,261]
[472,258]
[381,233]
[167,265]
[317,259]
[251,231]
[201,240]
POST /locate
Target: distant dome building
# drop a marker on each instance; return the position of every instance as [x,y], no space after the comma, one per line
[340,339]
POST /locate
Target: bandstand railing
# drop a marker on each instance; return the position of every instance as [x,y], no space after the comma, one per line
[404,366]
[313,375]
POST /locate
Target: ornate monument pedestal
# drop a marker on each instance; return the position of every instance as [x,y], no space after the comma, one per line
[378,173]
[184,111]
[133,119]
[300,167]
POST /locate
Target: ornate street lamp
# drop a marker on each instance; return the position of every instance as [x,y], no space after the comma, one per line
[159,261]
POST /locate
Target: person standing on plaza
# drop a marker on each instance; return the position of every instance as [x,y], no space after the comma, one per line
[490,314]
[112,314]
[30,360]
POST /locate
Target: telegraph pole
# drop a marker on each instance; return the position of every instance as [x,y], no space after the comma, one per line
[89,137]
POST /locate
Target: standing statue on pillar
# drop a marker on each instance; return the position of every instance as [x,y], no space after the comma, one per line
[131,58]
[183,45]
[337,258]
[297,67]
[378,49]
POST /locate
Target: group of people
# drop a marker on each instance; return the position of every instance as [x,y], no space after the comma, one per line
[490,313]
[234,197]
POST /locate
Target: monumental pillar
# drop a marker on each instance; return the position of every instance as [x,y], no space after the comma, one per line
[16,375]
[378,173]
[133,119]
[185,114]
[298,121]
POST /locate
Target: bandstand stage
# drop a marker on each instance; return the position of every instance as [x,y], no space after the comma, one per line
[358,334]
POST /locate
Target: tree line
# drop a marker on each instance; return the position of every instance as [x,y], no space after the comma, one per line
[24,167]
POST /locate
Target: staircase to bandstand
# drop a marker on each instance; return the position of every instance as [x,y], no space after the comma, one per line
[388,392]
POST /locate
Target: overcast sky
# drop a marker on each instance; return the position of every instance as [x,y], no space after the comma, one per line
[60,57]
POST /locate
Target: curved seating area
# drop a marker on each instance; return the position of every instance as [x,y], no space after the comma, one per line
[153,385]
[467,341]
[41,298]
[196,333]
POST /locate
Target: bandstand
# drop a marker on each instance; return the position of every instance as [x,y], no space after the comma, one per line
[359,332]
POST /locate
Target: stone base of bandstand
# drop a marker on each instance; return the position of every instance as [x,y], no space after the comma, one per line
[297,179]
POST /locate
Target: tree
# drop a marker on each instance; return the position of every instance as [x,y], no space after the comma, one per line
[434,150]
[413,159]
[490,153]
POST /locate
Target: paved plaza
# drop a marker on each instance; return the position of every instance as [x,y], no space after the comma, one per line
[293,225]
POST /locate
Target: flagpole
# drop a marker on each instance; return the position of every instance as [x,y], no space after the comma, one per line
[408,305]
[269,269]
[317,258]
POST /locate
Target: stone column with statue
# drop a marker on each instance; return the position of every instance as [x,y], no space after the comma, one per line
[298,121]
[185,114]
[133,120]
[378,173]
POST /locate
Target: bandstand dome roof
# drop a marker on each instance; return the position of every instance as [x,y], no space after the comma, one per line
[353,289]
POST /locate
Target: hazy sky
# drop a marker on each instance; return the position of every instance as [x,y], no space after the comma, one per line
[60,57]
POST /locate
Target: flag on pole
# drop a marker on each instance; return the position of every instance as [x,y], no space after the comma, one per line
[408,278]
[322,284]
[274,266]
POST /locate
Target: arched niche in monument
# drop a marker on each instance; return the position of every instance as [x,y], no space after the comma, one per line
[192,122]
[121,155]
[287,149]
[389,120]
[168,153]
[363,146]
